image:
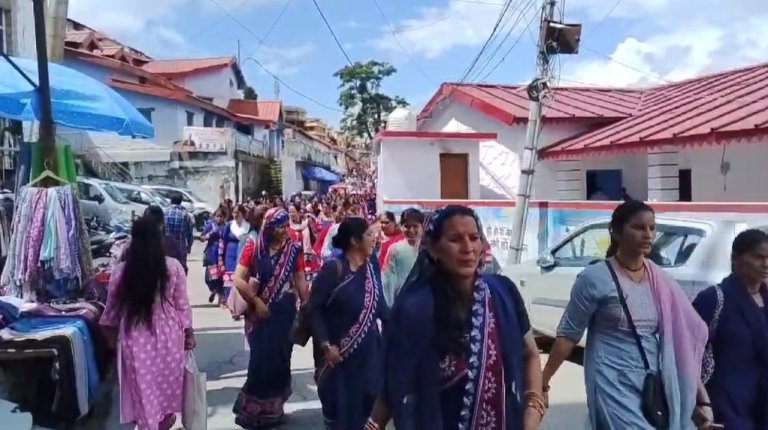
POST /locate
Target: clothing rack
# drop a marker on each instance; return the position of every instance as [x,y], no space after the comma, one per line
[48,255]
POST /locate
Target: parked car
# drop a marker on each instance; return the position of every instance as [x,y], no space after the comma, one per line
[141,195]
[200,210]
[696,253]
[190,200]
[101,199]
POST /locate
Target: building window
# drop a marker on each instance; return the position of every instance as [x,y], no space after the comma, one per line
[5,31]
[231,83]
[147,112]
[208,119]
[221,122]
[190,118]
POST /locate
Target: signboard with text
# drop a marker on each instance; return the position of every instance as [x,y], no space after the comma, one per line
[204,139]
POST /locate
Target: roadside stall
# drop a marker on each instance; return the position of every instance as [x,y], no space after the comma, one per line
[53,355]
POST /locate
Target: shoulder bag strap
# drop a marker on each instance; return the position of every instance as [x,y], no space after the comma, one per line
[630,321]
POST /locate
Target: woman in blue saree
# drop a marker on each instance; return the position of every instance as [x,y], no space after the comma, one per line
[344,309]
[736,311]
[459,353]
[212,256]
[269,275]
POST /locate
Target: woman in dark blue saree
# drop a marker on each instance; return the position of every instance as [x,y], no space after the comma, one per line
[345,308]
[269,275]
[458,354]
[736,362]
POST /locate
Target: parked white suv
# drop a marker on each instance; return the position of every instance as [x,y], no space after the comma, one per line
[696,253]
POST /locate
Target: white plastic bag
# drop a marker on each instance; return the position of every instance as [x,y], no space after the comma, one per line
[194,415]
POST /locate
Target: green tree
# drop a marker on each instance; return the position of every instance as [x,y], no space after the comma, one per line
[361,99]
[249,93]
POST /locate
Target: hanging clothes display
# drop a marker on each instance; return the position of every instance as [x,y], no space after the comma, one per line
[48,257]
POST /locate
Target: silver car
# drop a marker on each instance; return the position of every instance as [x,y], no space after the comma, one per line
[140,195]
[191,201]
[696,253]
[102,200]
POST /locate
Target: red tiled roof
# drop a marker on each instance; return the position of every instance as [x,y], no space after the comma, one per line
[156,85]
[509,103]
[270,109]
[266,110]
[718,107]
[114,64]
[78,36]
[170,94]
[187,66]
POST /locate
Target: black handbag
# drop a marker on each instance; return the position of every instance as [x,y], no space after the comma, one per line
[301,330]
[653,401]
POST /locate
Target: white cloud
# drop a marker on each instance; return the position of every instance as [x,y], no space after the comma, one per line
[148,25]
[664,39]
[282,61]
[684,43]
[436,30]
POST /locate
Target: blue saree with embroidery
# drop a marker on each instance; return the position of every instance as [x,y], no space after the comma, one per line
[260,402]
[344,309]
[481,390]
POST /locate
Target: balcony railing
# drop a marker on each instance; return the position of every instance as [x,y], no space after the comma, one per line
[214,139]
[303,151]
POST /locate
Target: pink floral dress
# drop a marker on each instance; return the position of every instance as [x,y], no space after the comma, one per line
[151,360]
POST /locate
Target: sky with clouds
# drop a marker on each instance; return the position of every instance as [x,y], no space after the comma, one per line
[624,42]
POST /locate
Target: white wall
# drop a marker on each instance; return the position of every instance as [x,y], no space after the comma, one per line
[744,182]
[452,116]
[169,116]
[291,175]
[567,179]
[23,23]
[410,168]
[215,83]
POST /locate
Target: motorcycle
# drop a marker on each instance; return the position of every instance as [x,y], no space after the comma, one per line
[103,237]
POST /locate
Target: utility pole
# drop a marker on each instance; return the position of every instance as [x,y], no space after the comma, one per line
[238,52]
[46,135]
[536,92]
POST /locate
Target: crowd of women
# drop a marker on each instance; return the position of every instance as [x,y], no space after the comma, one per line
[407,326]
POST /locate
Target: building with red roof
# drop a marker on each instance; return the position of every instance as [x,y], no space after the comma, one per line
[198,110]
[702,139]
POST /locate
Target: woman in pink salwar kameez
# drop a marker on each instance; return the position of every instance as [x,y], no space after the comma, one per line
[148,315]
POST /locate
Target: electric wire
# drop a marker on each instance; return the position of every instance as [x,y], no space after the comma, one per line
[333,33]
[491,37]
[523,11]
[266,70]
[397,40]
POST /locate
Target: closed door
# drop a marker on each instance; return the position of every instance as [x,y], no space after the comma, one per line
[454,176]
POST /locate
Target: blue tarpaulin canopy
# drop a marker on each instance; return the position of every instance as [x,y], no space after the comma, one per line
[317,173]
[78,101]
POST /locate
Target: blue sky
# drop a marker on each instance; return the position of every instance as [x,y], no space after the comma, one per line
[626,42]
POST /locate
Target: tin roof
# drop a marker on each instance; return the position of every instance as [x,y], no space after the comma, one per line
[708,109]
[509,103]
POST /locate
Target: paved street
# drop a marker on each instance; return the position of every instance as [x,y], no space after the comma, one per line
[221,353]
